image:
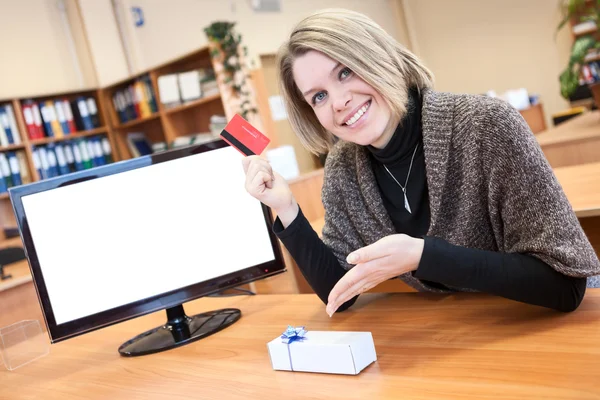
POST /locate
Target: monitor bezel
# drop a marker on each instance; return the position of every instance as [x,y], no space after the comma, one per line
[70,329]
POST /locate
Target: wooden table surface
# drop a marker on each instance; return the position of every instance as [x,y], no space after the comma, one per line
[429,346]
[582,127]
[20,274]
[581,184]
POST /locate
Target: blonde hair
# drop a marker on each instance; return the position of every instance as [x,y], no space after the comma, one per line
[356,41]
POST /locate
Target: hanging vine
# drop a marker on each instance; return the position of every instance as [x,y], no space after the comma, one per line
[228,49]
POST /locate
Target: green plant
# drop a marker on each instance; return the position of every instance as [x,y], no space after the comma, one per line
[578,11]
[229,51]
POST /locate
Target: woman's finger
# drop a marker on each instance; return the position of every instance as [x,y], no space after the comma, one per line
[260,181]
[357,288]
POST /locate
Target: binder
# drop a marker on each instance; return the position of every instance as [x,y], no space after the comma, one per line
[37,121]
[93,110]
[85,155]
[56,128]
[28,117]
[3,136]
[52,163]
[91,152]
[69,157]
[98,153]
[117,105]
[76,116]
[6,170]
[5,125]
[135,101]
[13,124]
[15,169]
[77,154]
[46,172]
[3,186]
[61,116]
[107,151]
[84,114]
[24,168]
[140,95]
[46,119]
[69,116]
[37,163]
[63,168]
[150,93]
[129,105]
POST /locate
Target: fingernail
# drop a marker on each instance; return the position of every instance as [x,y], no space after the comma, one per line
[352,258]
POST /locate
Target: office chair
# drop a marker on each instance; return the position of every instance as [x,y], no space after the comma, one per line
[9,256]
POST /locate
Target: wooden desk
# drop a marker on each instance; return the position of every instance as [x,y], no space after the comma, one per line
[428,346]
[581,184]
[576,141]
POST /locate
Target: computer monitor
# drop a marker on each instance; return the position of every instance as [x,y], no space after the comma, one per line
[123,240]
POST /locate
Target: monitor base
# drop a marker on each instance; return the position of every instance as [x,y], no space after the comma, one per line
[179,330]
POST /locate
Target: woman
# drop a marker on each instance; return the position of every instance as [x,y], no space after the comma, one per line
[447,192]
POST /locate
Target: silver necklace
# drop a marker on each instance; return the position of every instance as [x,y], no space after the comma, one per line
[406,205]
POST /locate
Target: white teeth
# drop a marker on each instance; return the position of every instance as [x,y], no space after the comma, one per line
[358,114]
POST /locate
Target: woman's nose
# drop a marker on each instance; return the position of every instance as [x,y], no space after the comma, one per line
[342,100]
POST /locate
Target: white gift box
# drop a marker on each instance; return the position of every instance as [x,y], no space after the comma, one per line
[325,352]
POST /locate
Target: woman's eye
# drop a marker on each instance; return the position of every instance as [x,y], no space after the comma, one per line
[317,98]
[345,72]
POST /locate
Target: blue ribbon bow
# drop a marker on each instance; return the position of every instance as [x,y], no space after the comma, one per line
[291,335]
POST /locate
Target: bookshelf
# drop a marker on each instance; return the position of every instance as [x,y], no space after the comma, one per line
[161,123]
[33,139]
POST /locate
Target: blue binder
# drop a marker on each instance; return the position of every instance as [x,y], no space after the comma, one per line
[6,125]
[15,169]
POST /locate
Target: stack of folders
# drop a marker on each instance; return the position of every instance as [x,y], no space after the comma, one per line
[75,155]
[60,117]
[136,100]
[13,170]
[183,87]
[9,132]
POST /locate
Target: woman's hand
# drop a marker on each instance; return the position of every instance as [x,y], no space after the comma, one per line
[385,259]
[270,188]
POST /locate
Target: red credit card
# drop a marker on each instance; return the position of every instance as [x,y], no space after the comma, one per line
[244,137]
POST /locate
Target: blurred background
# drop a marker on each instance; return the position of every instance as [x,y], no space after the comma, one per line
[89,82]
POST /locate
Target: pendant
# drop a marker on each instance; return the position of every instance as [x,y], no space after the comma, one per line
[406,205]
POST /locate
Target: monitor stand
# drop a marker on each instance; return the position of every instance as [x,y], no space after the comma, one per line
[179,330]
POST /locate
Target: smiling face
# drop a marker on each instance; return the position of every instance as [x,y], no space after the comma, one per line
[344,104]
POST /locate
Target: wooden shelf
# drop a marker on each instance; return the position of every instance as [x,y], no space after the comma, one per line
[69,136]
[3,196]
[138,121]
[12,147]
[192,104]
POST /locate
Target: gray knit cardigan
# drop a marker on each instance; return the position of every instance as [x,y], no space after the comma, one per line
[490,188]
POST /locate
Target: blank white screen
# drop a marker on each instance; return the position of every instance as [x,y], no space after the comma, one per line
[121,238]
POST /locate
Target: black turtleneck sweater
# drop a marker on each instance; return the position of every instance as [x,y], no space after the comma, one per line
[512,275]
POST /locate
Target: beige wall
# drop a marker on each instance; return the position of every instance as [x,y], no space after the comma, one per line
[36,57]
[473,46]
[173,28]
[104,41]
